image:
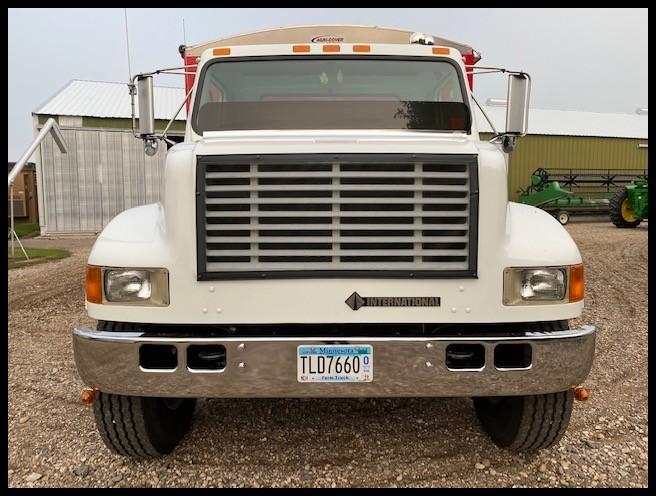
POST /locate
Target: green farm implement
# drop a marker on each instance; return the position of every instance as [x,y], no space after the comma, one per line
[629,205]
[562,192]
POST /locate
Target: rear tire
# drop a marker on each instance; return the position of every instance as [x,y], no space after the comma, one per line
[618,214]
[139,426]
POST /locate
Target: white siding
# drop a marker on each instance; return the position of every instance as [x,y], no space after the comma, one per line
[104,173]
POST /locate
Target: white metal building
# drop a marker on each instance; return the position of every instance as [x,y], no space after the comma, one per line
[106,170]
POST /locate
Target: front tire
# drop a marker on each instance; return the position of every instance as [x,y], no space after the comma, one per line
[142,427]
[525,423]
[139,426]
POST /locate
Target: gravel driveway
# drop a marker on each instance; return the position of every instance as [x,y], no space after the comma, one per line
[383,442]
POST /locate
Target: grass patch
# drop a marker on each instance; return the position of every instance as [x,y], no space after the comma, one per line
[25,229]
[37,255]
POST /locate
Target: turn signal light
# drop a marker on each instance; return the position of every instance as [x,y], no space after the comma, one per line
[88,396]
[581,394]
[441,51]
[576,283]
[94,284]
[221,51]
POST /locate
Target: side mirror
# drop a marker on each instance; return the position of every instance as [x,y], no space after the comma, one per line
[146,106]
[519,90]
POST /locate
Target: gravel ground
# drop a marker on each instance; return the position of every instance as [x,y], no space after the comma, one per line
[331,443]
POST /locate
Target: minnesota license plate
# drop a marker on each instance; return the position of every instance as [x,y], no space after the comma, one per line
[335,363]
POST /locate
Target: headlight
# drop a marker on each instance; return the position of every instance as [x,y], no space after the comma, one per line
[542,285]
[136,286]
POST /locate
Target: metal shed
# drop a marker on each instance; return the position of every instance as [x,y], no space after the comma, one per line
[565,139]
[106,170]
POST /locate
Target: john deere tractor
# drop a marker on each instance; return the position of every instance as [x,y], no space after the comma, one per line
[629,205]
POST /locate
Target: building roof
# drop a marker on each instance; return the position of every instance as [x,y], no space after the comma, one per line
[570,123]
[101,99]
[112,100]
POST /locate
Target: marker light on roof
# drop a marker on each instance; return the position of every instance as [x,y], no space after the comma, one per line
[422,39]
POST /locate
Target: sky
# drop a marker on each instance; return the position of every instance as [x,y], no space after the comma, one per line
[579,59]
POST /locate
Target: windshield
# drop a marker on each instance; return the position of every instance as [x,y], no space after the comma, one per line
[331,93]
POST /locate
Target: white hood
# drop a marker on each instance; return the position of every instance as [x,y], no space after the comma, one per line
[334,141]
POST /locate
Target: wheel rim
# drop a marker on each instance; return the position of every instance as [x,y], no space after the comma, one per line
[563,218]
[627,212]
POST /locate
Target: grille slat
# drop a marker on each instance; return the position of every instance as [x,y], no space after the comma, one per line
[350,228]
[298,214]
[337,174]
[392,188]
[338,238]
[329,201]
[338,214]
[353,265]
[302,251]
[231,224]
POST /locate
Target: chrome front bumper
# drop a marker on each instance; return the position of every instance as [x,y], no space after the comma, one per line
[266,366]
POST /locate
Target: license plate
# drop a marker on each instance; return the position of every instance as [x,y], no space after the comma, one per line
[335,363]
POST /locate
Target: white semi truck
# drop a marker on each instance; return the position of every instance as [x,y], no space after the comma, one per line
[333,226]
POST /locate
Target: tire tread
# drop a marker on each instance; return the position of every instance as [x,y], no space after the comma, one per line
[122,421]
[615,211]
[538,421]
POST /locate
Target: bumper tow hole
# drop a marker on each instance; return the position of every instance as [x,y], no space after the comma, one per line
[206,357]
[465,356]
[513,356]
[158,356]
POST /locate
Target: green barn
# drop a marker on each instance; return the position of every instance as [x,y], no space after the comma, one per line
[565,139]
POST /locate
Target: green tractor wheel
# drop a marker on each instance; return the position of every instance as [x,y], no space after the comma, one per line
[621,211]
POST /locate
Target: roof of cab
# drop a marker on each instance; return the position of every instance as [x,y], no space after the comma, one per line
[320,33]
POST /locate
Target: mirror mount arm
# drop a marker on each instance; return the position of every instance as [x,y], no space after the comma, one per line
[151,139]
[132,88]
[163,135]
[508,141]
[487,118]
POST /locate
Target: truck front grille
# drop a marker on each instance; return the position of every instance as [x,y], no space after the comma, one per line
[326,215]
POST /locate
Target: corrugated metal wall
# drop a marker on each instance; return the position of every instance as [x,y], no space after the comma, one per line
[579,152]
[105,172]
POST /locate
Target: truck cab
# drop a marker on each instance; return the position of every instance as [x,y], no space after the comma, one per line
[333,226]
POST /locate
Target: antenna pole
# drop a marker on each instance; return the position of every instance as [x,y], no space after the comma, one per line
[127,44]
[184,34]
